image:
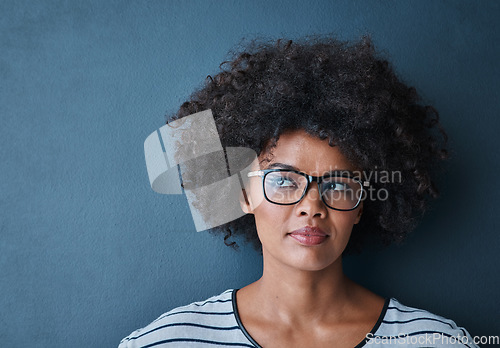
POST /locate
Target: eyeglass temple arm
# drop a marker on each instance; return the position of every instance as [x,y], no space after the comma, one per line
[255,173]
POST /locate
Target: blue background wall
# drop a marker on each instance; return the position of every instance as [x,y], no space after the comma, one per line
[88,252]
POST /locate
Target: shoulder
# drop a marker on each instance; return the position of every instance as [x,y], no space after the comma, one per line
[411,326]
[211,321]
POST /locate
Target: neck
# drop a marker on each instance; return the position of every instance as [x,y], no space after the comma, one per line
[296,295]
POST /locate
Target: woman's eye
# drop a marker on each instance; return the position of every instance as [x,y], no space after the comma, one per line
[337,186]
[284,182]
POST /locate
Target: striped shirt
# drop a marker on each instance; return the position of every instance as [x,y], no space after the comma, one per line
[215,322]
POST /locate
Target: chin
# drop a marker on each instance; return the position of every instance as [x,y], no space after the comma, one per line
[315,264]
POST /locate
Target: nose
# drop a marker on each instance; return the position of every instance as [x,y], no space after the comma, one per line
[312,204]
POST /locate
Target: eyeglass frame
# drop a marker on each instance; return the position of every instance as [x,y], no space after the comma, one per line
[310,178]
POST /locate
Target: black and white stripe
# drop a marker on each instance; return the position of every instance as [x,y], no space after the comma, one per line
[403,321]
[215,323]
[209,323]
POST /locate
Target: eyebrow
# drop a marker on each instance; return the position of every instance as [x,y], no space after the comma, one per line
[290,167]
[282,166]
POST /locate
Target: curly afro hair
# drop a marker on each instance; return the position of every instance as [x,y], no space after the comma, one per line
[336,90]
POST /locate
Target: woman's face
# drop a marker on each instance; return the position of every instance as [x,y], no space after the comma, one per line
[313,249]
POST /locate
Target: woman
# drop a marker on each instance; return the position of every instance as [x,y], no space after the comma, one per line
[325,117]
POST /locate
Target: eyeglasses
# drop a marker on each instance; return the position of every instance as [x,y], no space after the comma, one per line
[339,191]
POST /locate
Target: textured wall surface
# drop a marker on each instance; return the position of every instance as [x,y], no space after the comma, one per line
[88,252]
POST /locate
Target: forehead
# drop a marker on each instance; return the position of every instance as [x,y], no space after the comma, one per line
[305,152]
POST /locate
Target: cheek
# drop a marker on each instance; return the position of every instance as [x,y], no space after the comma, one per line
[344,221]
[271,221]
[346,218]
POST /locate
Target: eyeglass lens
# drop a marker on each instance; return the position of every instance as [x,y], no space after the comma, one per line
[284,187]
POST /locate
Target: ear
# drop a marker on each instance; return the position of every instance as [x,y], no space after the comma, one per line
[245,203]
[360,212]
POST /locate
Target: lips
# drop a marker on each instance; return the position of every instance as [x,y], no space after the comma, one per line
[309,235]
